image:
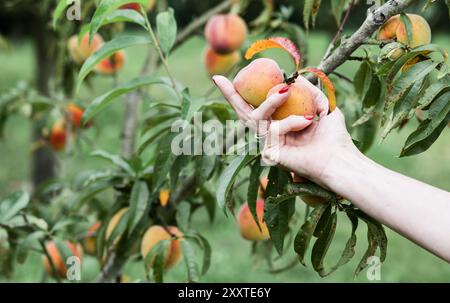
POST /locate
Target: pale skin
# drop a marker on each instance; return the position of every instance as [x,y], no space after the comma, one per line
[322,150]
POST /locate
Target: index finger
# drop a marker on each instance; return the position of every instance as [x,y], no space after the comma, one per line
[242,108]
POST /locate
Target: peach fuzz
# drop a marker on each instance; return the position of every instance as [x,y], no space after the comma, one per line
[226,33]
[158,233]
[217,64]
[247,225]
[255,80]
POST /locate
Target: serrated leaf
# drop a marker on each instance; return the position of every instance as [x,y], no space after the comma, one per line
[106,8]
[275,42]
[167,30]
[138,204]
[306,232]
[329,88]
[322,245]
[189,259]
[164,161]
[205,246]
[401,85]
[430,129]
[433,91]
[114,159]
[104,100]
[408,26]
[109,48]
[58,12]
[228,178]
[12,204]
[253,188]
[183,215]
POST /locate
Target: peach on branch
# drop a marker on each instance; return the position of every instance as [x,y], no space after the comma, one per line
[90,241]
[299,103]
[115,220]
[247,225]
[112,64]
[226,33]
[395,29]
[76,114]
[217,64]
[57,259]
[58,136]
[255,80]
[157,233]
[80,50]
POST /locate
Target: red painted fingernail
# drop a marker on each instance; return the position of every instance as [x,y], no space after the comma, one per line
[284,90]
[309,117]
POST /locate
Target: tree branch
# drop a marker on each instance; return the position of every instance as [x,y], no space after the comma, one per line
[375,18]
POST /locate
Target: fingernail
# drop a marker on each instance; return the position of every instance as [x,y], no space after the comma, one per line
[284,90]
[213,80]
[309,117]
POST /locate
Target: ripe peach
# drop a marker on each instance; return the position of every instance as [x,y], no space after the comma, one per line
[247,225]
[111,65]
[217,64]
[158,233]
[226,33]
[58,136]
[76,114]
[394,28]
[56,258]
[299,103]
[80,50]
[90,241]
[135,6]
[263,186]
[255,80]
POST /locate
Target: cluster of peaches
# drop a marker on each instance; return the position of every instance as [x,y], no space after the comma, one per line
[225,35]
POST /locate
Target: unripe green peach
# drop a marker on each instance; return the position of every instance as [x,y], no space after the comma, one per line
[226,33]
[255,80]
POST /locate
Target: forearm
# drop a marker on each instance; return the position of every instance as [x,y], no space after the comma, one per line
[416,210]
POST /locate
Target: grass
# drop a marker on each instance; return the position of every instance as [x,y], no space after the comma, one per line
[232,261]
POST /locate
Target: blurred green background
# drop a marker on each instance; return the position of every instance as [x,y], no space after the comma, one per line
[232,260]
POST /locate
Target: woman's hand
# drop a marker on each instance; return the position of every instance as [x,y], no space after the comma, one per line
[298,143]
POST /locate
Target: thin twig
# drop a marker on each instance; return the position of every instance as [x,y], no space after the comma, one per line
[343,77]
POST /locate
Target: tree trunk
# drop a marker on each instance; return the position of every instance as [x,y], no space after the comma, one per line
[43,159]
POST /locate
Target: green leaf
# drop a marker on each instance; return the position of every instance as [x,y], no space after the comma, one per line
[107,50]
[150,140]
[432,92]
[26,243]
[12,204]
[205,167]
[408,26]
[322,245]
[114,159]
[121,15]
[189,259]
[370,252]
[181,162]
[310,9]
[63,249]
[159,257]
[416,73]
[363,79]
[59,11]
[402,108]
[373,93]
[138,204]
[306,232]
[337,8]
[228,178]
[183,215]
[430,129]
[167,30]
[253,188]
[323,222]
[205,246]
[165,159]
[106,8]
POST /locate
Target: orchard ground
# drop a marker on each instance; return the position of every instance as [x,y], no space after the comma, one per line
[231,260]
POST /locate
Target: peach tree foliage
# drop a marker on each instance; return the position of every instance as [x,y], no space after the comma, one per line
[383,96]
